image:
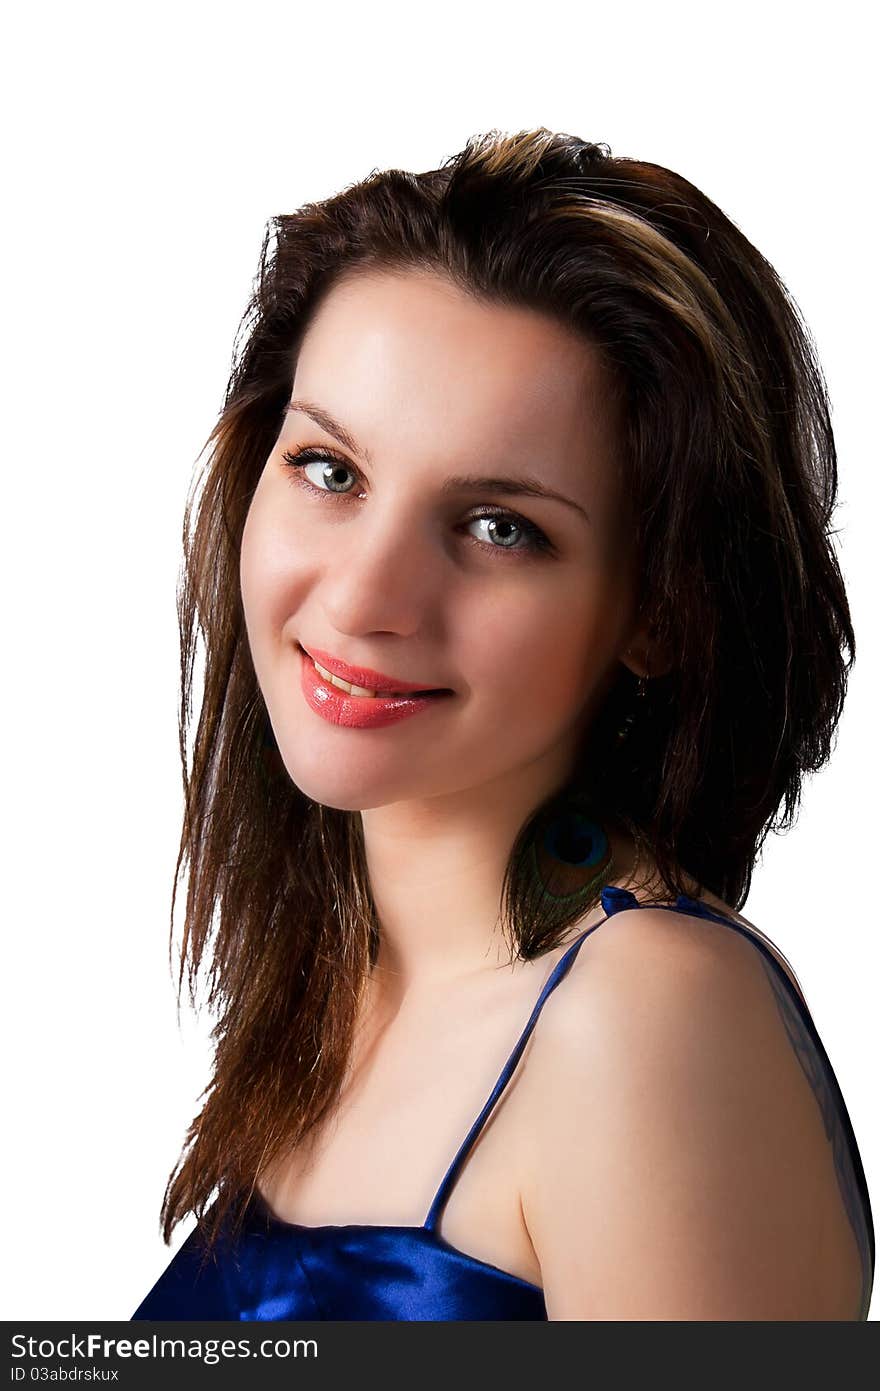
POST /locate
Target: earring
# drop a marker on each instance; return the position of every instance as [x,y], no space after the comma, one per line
[570,855]
[636,710]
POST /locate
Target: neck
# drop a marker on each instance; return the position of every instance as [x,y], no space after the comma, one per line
[436,871]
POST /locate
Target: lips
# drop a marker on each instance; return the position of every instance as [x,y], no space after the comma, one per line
[369,679]
[345,708]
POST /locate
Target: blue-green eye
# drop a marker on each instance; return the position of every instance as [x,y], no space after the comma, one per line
[506,527]
[505,530]
[331,469]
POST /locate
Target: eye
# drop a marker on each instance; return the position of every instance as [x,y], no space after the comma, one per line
[504,530]
[332,465]
[506,527]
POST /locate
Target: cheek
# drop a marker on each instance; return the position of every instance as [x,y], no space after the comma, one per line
[542,654]
[271,580]
[248,567]
[275,546]
[254,574]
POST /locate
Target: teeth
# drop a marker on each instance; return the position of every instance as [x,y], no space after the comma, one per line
[347,685]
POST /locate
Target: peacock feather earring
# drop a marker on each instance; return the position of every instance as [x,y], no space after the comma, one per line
[570,854]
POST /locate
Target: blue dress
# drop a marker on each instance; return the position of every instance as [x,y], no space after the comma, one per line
[284,1270]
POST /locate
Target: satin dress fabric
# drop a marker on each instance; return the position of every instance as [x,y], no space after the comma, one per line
[282,1270]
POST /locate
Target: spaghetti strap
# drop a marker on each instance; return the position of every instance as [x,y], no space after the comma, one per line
[813,1058]
[800,1027]
[270,1269]
[613,899]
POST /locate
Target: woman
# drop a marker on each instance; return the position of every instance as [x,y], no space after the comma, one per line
[535,443]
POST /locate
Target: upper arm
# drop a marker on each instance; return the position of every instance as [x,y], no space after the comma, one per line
[680,1166]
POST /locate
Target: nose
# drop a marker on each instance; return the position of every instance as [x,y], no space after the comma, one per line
[384,577]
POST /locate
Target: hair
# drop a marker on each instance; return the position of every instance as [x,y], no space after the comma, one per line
[729,462]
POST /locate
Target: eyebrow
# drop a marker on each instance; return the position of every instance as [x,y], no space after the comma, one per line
[475,483]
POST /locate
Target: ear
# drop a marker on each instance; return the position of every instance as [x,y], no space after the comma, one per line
[642,653]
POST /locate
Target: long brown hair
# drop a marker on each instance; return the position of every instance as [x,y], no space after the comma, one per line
[730,466]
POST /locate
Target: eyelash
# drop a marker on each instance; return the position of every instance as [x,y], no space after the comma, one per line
[297,459]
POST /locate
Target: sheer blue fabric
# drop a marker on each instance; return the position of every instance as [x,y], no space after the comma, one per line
[282,1270]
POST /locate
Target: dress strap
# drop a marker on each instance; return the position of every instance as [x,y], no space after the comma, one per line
[697,908]
[613,900]
[802,1033]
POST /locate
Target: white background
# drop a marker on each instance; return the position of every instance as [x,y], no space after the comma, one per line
[145,151]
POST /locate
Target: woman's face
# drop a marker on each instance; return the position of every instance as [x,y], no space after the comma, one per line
[385,547]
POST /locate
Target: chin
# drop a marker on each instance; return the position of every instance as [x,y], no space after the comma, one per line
[343,792]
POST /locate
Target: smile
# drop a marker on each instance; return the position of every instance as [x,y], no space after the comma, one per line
[356,690]
[344,703]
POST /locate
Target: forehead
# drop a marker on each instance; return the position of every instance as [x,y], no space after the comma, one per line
[409,349]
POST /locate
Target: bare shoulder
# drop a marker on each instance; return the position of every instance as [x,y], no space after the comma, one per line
[649,969]
[681,1164]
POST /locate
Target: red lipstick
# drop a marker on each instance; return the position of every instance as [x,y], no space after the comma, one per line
[365,676]
[359,712]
